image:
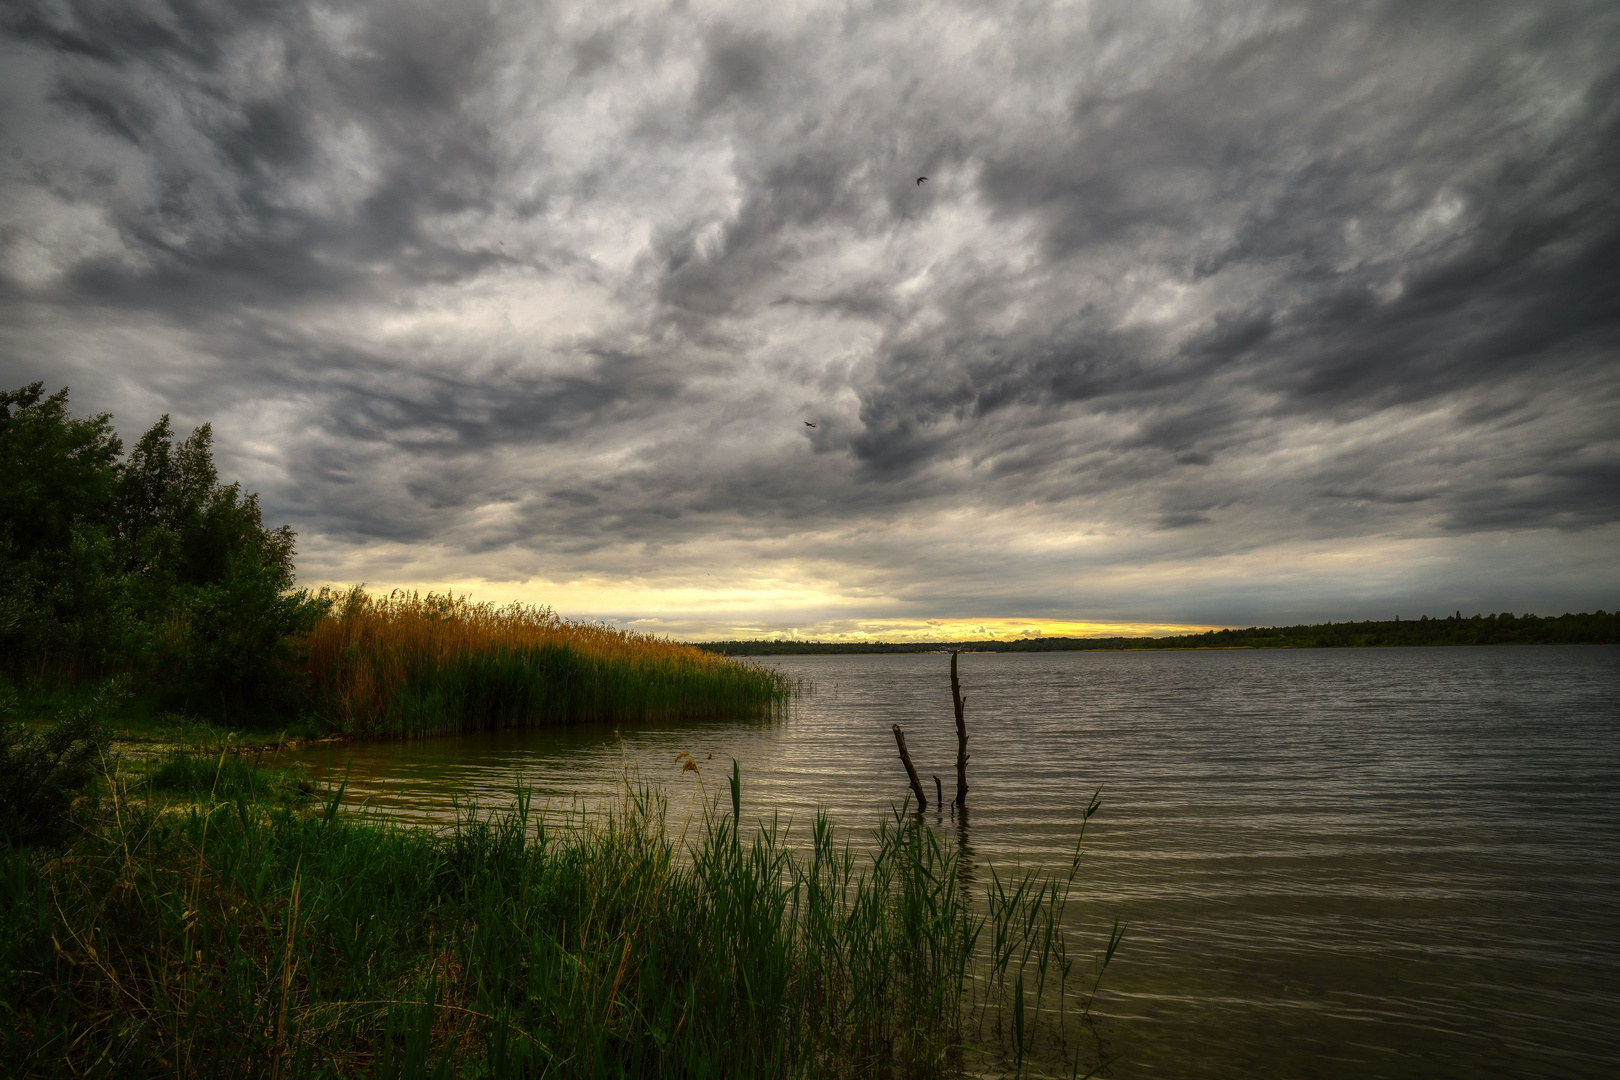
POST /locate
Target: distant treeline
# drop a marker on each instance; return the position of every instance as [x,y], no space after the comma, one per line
[1501,629]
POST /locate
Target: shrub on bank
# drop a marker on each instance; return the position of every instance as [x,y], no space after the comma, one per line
[45,775]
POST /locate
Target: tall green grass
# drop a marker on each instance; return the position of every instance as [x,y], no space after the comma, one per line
[412,665]
[235,940]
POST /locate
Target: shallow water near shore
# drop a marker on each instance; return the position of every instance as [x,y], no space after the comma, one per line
[1369,863]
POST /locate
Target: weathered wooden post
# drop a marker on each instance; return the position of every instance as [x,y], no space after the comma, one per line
[961,737]
[911,770]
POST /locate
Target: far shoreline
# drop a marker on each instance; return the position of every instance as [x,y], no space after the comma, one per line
[1595,628]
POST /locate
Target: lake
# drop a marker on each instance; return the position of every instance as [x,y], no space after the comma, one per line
[1360,862]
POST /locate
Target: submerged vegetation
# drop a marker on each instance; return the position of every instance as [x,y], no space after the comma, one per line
[1496,629]
[412,665]
[234,938]
[145,566]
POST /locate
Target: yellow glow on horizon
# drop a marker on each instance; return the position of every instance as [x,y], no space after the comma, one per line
[775,610]
[1001,629]
[967,629]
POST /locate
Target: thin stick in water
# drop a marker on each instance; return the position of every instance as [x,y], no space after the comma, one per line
[911,770]
[959,702]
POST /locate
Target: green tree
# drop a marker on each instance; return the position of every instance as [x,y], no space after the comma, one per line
[64,605]
[217,586]
[146,562]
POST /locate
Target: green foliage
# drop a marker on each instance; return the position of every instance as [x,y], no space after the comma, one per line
[236,941]
[64,599]
[224,776]
[179,526]
[43,774]
[223,583]
[57,471]
[226,648]
[145,563]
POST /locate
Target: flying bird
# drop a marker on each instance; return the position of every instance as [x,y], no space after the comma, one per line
[808,424]
[920,179]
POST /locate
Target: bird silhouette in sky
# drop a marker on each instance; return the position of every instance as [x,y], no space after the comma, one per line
[920,180]
[808,424]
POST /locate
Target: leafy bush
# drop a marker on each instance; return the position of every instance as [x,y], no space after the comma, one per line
[226,648]
[65,599]
[43,775]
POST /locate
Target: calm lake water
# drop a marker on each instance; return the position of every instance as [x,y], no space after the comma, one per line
[1368,863]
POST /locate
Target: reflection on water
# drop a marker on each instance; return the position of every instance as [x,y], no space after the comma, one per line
[1334,862]
[964,844]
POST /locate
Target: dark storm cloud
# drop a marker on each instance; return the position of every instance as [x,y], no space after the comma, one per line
[220,102]
[735,66]
[1264,139]
[566,280]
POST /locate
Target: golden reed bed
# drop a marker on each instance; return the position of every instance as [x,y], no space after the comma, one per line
[413,664]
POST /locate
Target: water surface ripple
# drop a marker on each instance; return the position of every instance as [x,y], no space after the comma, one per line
[1369,863]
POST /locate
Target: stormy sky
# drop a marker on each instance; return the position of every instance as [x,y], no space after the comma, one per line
[1207,314]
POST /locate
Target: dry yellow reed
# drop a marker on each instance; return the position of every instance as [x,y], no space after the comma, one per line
[376,660]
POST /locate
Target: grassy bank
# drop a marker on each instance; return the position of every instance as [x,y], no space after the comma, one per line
[243,938]
[407,664]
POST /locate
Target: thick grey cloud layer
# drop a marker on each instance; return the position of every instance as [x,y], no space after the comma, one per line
[1206,312]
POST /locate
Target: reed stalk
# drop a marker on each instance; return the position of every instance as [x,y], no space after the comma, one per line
[240,939]
[412,665]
